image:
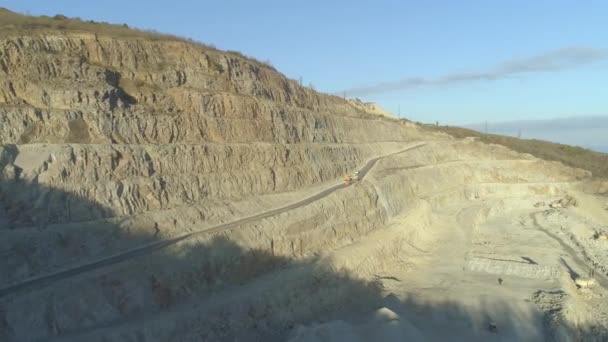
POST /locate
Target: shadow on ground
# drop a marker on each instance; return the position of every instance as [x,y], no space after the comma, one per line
[210,288]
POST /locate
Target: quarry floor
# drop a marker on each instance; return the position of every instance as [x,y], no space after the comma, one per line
[498,268]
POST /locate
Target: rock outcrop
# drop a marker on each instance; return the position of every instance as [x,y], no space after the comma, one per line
[139,123]
[111,138]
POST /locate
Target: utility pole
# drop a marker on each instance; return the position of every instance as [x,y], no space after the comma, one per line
[399,111]
[486,129]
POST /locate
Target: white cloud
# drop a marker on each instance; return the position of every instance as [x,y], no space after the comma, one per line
[552,61]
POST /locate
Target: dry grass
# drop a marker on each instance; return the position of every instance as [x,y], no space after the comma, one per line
[579,157]
[12,23]
[265,63]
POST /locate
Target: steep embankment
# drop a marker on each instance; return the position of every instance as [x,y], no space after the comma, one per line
[114,138]
[169,113]
[106,134]
[573,156]
[158,115]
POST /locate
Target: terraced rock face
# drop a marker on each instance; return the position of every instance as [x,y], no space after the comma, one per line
[87,88]
[172,124]
[110,142]
[157,137]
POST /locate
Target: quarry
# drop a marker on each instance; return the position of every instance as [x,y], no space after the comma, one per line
[156,189]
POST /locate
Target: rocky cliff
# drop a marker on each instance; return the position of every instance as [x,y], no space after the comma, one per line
[162,123]
[112,138]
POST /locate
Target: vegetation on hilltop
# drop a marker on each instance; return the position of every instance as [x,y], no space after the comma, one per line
[573,156]
[12,23]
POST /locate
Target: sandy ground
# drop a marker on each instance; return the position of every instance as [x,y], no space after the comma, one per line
[499,268]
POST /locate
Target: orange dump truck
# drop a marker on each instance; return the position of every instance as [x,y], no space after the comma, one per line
[347,180]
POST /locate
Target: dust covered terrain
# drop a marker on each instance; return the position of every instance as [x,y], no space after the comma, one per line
[153,189]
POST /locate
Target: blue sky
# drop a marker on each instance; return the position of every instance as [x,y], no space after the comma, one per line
[589,132]
[456,62]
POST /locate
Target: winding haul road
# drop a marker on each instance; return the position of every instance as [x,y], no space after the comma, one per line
[47,279]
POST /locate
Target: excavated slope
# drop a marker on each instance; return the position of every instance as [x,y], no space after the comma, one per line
[125,160]
[138,125]
[111,142]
